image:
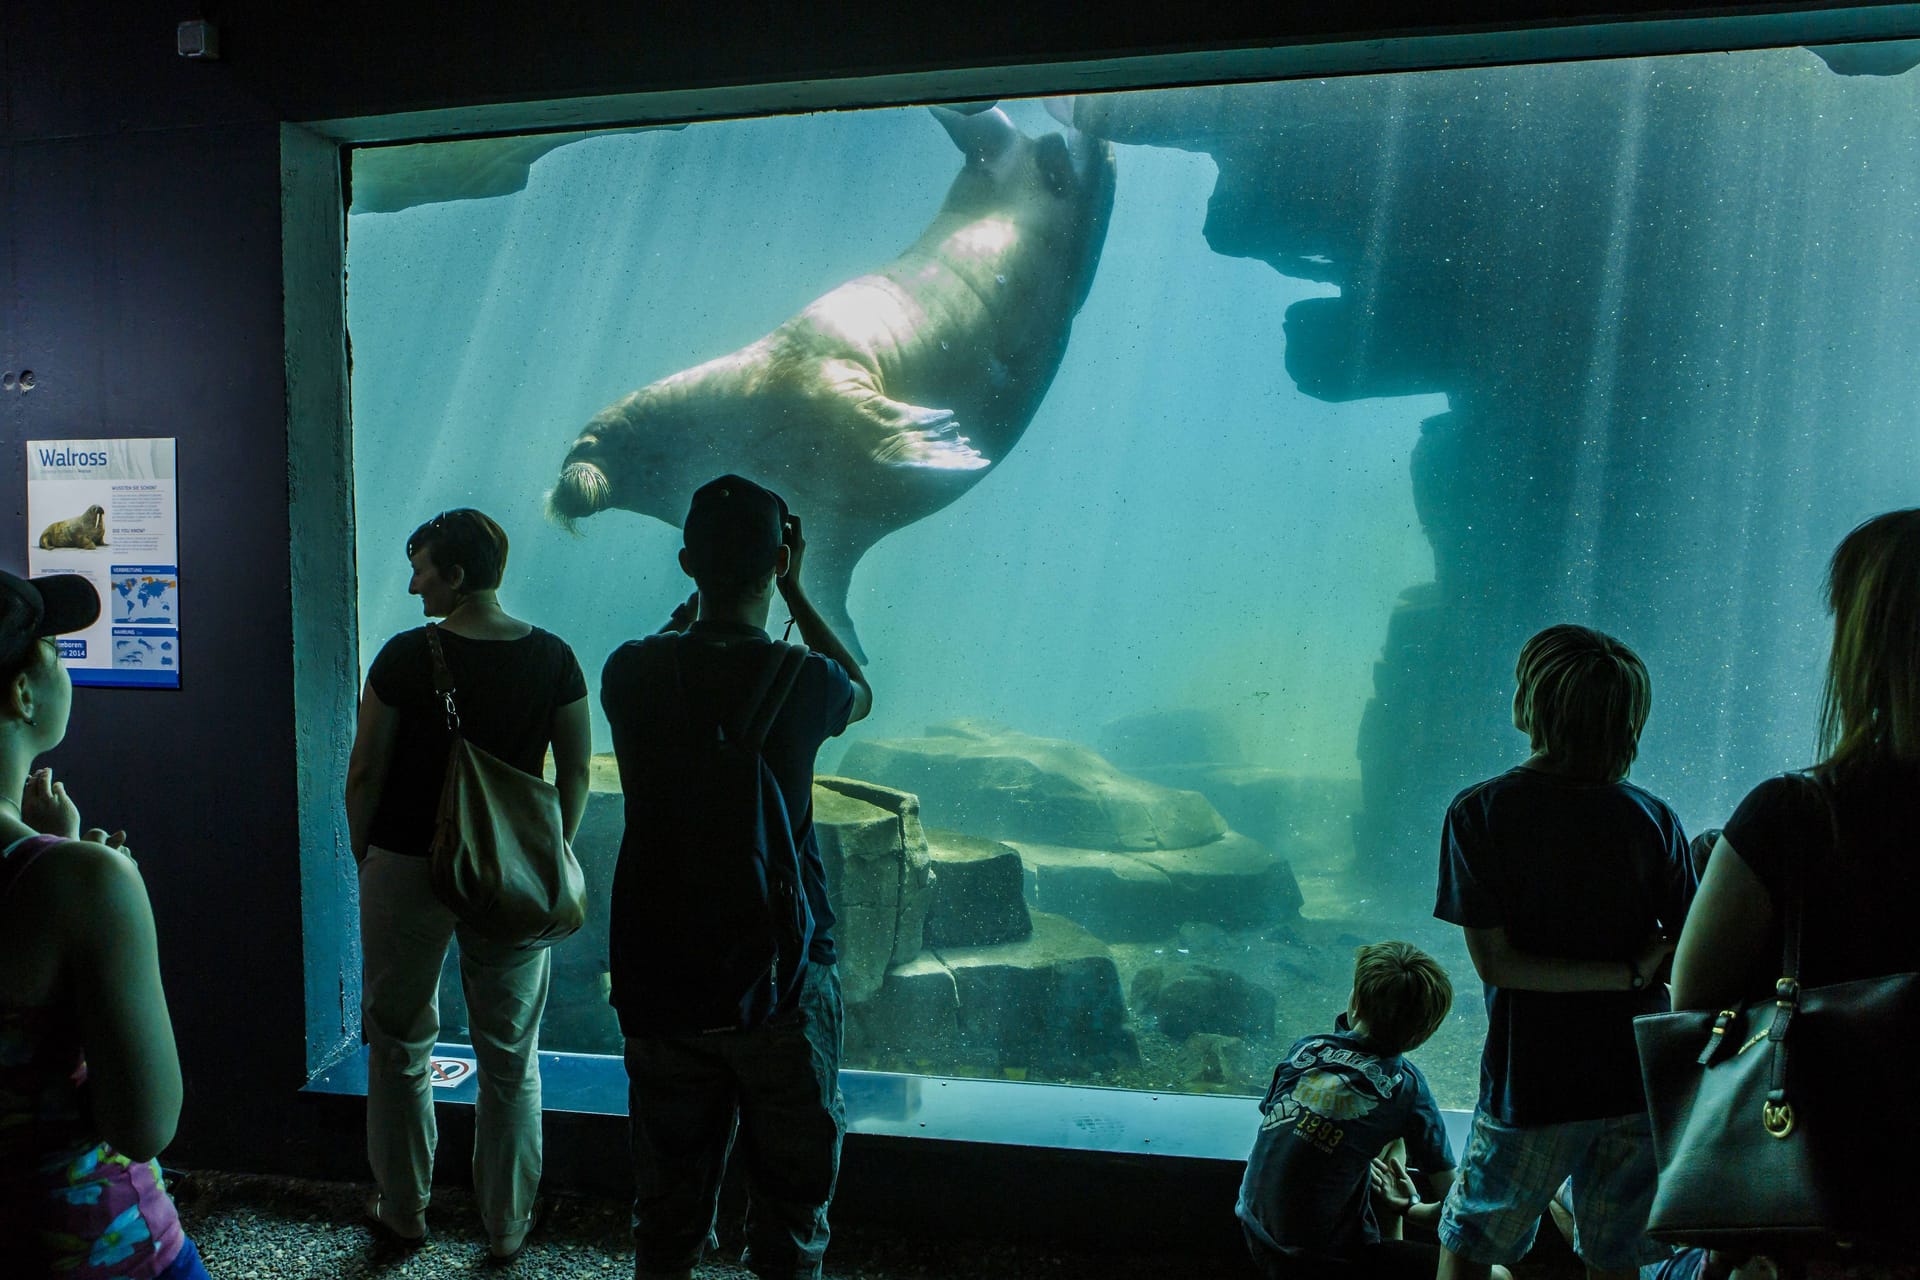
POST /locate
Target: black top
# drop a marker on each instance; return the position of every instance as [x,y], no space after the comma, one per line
[507,692]
[1859,905]
[719,671]
[1571,870]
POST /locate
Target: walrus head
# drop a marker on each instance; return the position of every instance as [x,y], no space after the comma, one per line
[621,459]
[583,490]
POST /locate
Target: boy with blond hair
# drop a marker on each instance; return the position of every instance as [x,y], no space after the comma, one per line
[1568,881]
[1316,1184]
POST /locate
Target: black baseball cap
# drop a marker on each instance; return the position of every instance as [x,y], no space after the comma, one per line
[49,606]
[733,530]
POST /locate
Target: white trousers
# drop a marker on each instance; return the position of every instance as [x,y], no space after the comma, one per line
[404,931]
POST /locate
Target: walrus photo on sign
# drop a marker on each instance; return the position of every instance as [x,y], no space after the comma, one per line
[83,532]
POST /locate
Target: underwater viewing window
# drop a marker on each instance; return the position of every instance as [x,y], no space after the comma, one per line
[1187,467]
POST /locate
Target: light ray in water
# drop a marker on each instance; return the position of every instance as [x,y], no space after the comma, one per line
[1592,444]
[1383,225]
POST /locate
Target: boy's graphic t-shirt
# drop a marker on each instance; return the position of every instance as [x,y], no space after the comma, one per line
[1334,1103]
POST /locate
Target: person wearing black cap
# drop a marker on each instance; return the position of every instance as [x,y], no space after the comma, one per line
[772,1070]
[89,1076]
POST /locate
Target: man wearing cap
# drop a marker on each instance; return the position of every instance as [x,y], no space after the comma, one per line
[778,1081]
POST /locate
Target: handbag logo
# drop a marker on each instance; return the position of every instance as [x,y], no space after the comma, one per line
[1777,1117]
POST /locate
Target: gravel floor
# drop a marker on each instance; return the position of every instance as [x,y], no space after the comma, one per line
[258,1228]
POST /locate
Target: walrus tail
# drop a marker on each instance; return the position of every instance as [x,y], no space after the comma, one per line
[583,490]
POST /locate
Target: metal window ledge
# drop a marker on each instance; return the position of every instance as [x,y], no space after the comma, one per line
[998,1112]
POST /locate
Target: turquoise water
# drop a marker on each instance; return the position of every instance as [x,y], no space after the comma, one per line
[1178,526]
[1376,377]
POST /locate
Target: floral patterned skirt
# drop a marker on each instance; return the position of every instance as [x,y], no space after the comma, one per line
[99,1216]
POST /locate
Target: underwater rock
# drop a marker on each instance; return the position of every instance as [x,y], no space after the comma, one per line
[1197,935]
[1252,798]
[878,876]
[1050,1000]
[979,892]
[1207,1058]
[976,727]
[583,957]
[1232,882]
[389,179]
[1184,736]
[1119,897]
[1558,251]
[1200,749]
[1185,999]
[1883,58]
[913,1019]
[1014,786]
[578,1019]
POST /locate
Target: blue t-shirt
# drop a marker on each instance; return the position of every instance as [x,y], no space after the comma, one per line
[1574,870]
[1334,1104]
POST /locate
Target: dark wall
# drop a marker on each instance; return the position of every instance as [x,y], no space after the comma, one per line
[142,241]
[142,231]
[323,58]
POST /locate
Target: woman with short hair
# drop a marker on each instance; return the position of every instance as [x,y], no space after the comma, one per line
[519,691]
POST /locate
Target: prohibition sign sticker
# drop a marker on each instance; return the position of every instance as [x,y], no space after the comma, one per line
[448,1072]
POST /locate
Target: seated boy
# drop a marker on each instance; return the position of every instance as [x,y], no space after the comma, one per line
[1337,1101]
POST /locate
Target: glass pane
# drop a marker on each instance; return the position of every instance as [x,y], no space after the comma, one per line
[1182,654]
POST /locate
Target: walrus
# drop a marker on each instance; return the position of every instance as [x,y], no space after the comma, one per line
[83,533]
[893,394]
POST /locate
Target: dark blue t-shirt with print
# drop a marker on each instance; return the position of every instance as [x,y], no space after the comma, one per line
[1334,1104]
[1573,870]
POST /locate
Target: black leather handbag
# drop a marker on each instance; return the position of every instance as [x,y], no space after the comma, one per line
[1779,1127]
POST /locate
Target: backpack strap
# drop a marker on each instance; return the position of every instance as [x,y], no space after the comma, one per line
[776,683]
[764,701]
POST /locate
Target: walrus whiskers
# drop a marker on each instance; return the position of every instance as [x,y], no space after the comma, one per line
[583,490]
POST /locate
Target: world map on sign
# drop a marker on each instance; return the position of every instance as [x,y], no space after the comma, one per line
[145,598]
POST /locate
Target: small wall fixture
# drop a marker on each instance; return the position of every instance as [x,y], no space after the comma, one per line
[197,38]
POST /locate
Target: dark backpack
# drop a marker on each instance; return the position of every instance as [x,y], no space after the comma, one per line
[715,874]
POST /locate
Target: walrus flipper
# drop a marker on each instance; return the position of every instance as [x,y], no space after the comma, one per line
[832,553]
[910,435]
[980,135]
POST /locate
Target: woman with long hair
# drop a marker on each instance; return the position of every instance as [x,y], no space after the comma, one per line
[1840,839]
[519,691]
[89,1076]
[1860,898]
